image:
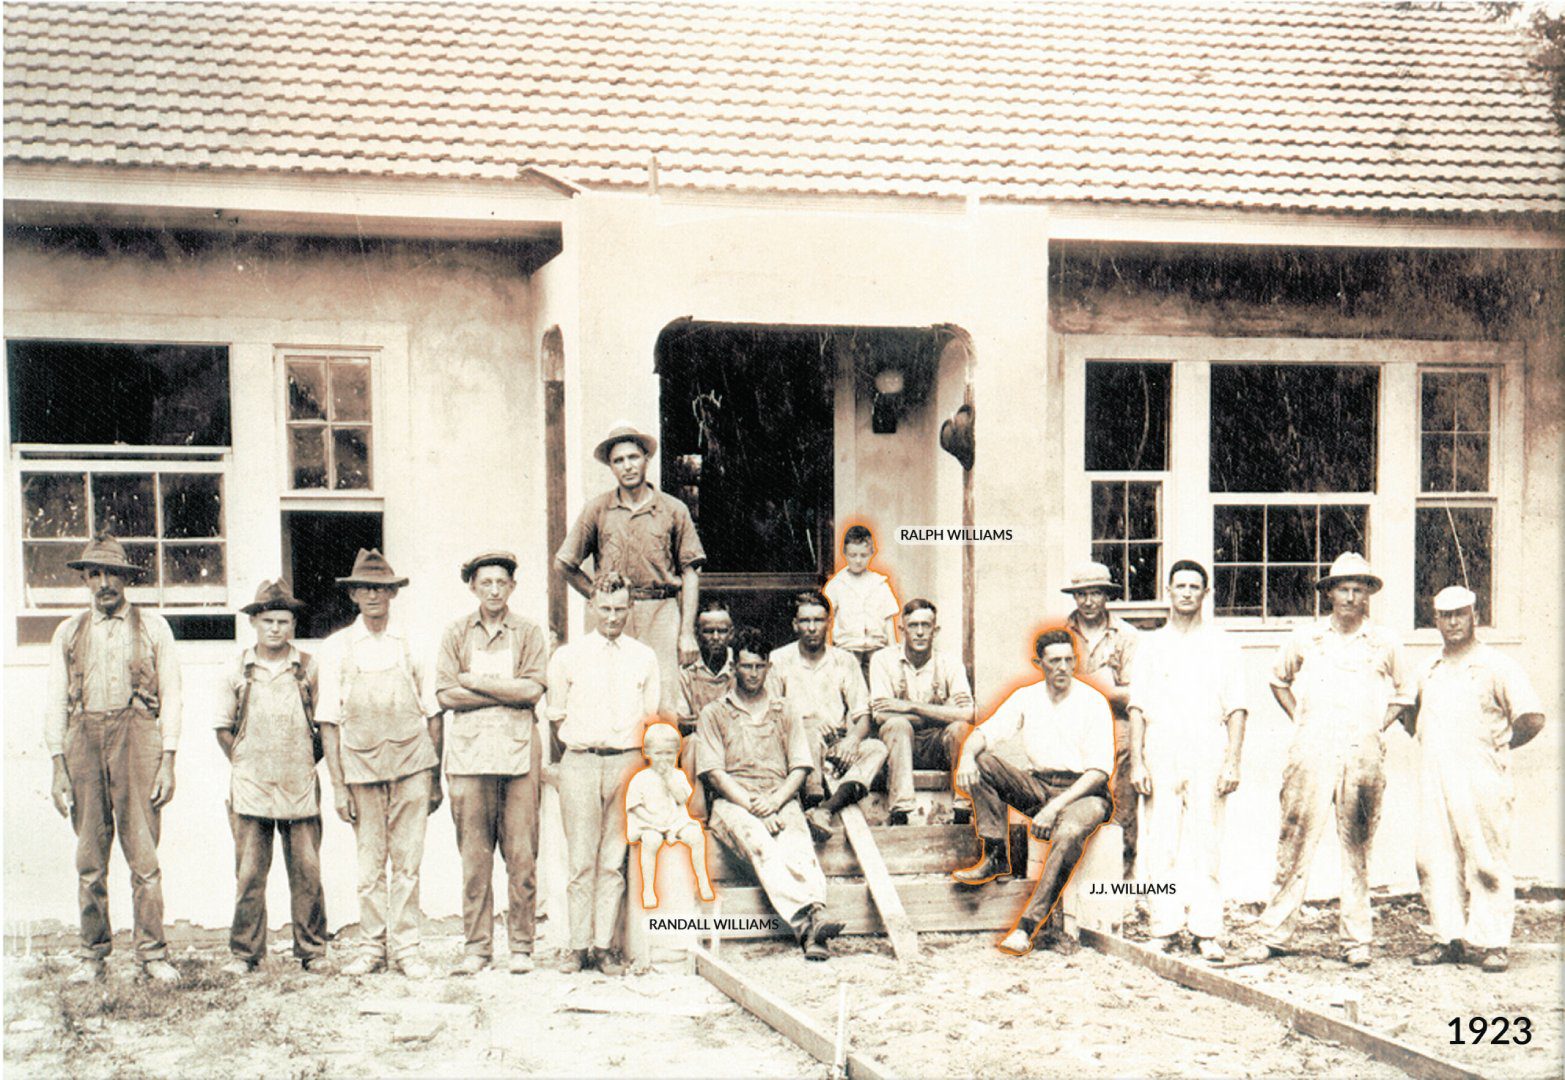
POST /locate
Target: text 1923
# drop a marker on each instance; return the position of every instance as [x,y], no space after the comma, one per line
[1505,1030]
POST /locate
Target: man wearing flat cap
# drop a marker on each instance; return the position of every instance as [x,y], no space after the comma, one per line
[380,726]
[1108,646]
[111,724]
[490,673]
[1343,682]
[1474,706]
[265,721]
[648,537]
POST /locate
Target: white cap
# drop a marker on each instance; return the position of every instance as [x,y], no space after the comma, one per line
[1454,598]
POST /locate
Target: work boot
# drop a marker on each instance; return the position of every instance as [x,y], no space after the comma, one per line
[414,968]
[1449,952]
[1211,950]
[1018,942]
[1495,960]
[86,972]
[817,932]
[471,964]
[316,965]
[608,962]
[962,815]
[818,818]
[1261,952]
[994,862]
[1357,956]
[364,964]
[160,971]
[237,965]
[573,961]
[897,817]
[521,963]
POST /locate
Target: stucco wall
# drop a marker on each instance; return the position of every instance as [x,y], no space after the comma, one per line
[458,460]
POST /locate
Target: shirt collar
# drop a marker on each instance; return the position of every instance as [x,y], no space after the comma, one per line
[510,620]
[600,642]
[98,616]
[358,631]
[650,503]
[733,701]
[294,658]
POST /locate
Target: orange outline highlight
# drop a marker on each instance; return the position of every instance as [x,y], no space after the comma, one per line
[1011,688]
[706,836]
[840,564]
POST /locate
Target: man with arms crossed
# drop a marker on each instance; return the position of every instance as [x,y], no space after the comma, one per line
[1342,681]
[921,701]
[111,724]
[1067,729]
[489,673]
[1475,706]
[1187,717]
[602,688]
[751,747]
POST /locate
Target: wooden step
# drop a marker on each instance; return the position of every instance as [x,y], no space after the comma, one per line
[907,849]
[932,904]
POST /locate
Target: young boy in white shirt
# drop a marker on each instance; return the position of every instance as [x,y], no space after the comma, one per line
[866,608]
[657,814]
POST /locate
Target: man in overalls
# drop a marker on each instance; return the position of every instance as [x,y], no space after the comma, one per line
[489,673]
[380,727]
[112,726]
[1342,681]
[266,728]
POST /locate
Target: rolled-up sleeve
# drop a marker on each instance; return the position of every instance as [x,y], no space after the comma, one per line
[582,540]
[448,657]
[855,695]
[171,696]
[711,753]
[424,679]
[688,551]
[532,661]
[55,705]
[882,673]
[559,682]
[958,691]
[225,700]
[1290,657]
[796,743]
[1404,688]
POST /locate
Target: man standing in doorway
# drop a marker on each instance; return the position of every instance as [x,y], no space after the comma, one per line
[602,688]
[647,537]
[922,703]
[1187,714]
[1068,732]
[1475,706]
[112,727]
[825,686]
[1108,648]
[381,729]
[489,673]
[266,727]
[1342,681]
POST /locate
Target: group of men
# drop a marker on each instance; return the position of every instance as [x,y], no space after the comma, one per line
[782,741]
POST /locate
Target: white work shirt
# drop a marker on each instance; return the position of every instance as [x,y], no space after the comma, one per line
[861,604]
[390,648]
[1074,735]
[602,691]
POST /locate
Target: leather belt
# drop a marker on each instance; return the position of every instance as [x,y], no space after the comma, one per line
[600,751]
[653,592]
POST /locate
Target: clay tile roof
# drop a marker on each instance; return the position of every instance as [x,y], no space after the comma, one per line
[1416,107]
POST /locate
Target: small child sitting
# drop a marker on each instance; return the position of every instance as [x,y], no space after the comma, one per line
[656,812]
[865,618]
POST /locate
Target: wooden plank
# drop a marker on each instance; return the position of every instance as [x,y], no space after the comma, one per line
[783,1018]
[932,905]
[905,849]
[904,940]
[1377,1045]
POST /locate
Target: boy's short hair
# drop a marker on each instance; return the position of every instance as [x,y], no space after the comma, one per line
[660,734]
[857,534]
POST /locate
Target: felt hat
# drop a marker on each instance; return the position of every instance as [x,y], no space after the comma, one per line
[371,568]
[273,596]
[956,436]
[625,433]
[1455,598]
[1350,564]
[107,553]
[488,558]
[1089,575]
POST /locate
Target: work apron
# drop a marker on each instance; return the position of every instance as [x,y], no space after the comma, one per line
[274,759]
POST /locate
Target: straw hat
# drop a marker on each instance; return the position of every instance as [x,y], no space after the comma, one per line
[625,433]
[1089,575]
[1350,564]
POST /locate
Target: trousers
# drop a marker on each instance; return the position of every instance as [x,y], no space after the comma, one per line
[1181,842]
[112,759]
[1464,843]
[301,840]
[785,864]
[1001,785]
[392,816]
[490,812]
[592,806]
[908,748]
[1327,765]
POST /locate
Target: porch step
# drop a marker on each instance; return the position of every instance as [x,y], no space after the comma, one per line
[909,849]
[933,903]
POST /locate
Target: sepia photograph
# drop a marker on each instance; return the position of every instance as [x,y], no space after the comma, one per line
[784,538]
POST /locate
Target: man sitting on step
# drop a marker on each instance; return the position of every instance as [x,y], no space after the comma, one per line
[1067,729]
[752,750]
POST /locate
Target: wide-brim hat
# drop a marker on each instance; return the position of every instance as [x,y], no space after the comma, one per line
[273,596]
[107,553]
[1350,564]
[488,558]
[625,433]
[371,568]
[956,436]
[1089,575]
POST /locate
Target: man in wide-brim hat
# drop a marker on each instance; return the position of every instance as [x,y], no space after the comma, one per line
[1108,645]
[112,724]
[265,725]
[490,673]
[649,538]
[1343,681]
[380,726]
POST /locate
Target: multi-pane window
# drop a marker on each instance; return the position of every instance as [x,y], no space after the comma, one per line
[330,421]
[1126,454]
[1454,521]
[1266,559]
[129,441]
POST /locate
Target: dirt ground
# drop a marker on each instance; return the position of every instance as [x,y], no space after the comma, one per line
[283,1023]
